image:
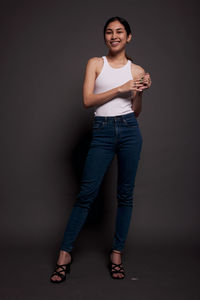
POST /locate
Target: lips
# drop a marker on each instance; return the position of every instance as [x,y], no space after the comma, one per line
[114,43]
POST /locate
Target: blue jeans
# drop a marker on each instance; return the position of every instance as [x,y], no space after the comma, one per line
[121,135]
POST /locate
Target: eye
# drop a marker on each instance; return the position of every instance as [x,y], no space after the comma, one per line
[107,32]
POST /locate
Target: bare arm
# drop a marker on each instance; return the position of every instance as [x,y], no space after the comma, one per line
[137,104]
[89,98]
[137,72]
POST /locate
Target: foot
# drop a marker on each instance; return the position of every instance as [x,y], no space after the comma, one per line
[64,258]
[115,257]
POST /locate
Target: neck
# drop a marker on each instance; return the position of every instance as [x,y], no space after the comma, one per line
[119,56]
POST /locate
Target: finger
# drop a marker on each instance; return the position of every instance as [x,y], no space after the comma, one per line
[136,89]
[139,89]
[141,78]
[137,83]
[138,86]
[137,80]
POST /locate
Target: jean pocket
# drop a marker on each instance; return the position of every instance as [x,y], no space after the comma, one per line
[97,124]
[131,122]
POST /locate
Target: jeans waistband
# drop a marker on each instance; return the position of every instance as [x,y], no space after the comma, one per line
[119,117]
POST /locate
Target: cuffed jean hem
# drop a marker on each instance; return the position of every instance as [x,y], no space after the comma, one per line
[64,249]
[114,248]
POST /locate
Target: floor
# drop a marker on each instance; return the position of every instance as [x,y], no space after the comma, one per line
[151,273]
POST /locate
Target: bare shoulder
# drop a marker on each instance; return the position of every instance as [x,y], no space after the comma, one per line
[137,71]
[94,61]
[95,64]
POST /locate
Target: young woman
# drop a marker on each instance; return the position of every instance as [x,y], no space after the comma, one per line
[113,85]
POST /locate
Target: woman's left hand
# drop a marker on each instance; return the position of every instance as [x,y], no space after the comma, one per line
[145,81]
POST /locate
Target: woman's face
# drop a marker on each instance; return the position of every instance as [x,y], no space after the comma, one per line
[116,36]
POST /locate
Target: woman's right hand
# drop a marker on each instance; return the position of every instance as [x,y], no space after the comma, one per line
[132,85]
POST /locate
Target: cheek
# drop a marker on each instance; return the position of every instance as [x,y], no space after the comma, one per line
[123,39]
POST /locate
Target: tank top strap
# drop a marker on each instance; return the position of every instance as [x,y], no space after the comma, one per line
[105,61]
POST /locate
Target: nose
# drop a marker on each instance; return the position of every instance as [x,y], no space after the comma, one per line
[114,35]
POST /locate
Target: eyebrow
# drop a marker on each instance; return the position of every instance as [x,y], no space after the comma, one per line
[116,28]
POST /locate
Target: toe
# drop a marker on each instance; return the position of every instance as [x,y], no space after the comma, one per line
[55,278]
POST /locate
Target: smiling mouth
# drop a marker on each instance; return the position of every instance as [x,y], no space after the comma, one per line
[114,43]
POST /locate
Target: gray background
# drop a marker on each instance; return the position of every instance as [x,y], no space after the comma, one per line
[46,131]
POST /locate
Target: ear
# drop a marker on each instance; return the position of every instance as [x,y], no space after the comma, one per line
[129,38]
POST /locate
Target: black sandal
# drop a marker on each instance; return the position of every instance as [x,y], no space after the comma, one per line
[61,275]
[112,267]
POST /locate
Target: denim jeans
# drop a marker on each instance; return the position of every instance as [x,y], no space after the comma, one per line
[118,135]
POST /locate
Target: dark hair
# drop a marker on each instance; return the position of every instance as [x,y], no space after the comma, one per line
[123,22]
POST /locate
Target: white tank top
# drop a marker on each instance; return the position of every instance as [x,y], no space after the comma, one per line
[110,78]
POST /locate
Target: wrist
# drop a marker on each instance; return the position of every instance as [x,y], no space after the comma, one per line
[119,90]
